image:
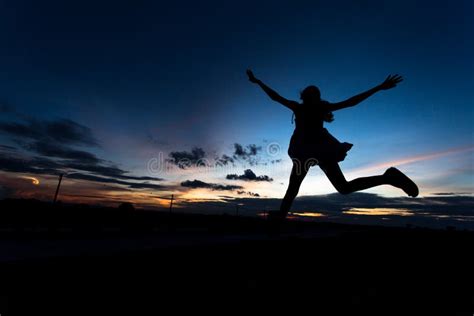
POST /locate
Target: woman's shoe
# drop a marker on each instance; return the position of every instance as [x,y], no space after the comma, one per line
[400,180]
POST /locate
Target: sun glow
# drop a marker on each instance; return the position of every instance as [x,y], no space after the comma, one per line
[379,211]
[34,180]
[308,214]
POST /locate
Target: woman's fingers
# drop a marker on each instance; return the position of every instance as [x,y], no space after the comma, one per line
[394,77]
[398,77]
[391,81]
[398,80]
[251,76]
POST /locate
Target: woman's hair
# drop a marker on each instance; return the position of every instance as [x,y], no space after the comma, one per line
[311,94]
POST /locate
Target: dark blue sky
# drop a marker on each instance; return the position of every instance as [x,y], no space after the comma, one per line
[151,76]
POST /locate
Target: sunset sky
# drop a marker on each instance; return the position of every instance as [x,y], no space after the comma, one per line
[114,93]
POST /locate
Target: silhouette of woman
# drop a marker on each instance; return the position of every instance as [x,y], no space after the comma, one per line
[311,144]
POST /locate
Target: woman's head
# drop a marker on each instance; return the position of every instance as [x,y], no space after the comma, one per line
[310,94]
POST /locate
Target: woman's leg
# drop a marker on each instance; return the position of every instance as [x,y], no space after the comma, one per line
[335,175]
[298,172]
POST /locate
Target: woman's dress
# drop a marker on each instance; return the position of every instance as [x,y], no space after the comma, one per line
[311,143]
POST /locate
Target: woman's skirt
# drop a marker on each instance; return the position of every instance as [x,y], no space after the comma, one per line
[318,147]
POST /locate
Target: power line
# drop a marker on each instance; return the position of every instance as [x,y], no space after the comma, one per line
[57,188]
[171,203]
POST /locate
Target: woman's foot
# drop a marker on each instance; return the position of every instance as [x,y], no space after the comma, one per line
[400,180]
[347,146]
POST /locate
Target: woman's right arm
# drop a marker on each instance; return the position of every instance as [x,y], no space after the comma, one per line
[389,83]
[271,93]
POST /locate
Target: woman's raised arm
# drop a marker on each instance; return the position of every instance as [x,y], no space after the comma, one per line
[271,93]
[390,82]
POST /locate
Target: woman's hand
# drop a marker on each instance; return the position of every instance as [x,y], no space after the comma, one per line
[391,82]
[251,76]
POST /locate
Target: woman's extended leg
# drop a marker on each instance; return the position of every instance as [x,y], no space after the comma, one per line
[335,175]
[298,172]
[392,176]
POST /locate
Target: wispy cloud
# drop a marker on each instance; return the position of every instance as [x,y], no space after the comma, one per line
[51,150]
[63,131]
[414,159]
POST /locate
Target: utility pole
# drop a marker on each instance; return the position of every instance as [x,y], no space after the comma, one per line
[171,203]
[57,189]
[237,209]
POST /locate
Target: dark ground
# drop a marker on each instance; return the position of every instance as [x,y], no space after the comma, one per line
[81,260]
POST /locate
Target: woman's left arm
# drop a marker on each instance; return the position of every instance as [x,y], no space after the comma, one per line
[389,83]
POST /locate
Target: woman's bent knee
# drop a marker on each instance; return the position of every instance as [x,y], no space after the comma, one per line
[343,189]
